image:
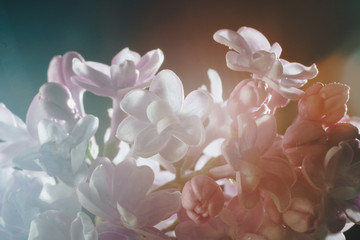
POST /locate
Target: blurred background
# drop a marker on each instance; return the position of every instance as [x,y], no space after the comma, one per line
[324,32]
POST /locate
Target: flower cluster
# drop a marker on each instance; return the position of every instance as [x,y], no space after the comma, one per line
[181,167]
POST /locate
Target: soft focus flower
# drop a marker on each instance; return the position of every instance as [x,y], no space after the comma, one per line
[119,194]
[128,70]
[248,97]
[202,198]
[325,104]
[161,121]
[253,53]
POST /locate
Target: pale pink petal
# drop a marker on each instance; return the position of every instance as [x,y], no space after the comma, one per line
[168,86]
[197,103]
[136,102]
[129,128]
[276,48]
[148,142]
[238,62]
[247,130]
[266,132]
[92,73]
[60,69]
[215,85]
[299,71]
[233,40]
[149,64]
[255,39]
[124,75]
[279,193]
[279,167]
[126,55]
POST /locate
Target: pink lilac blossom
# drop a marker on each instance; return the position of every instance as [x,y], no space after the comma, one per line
[204,166]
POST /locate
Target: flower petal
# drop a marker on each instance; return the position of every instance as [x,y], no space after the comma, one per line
[149,64]
[233,40]
[255,39]
[124,75]
[158,206]
[168,86]
[148,142]
[136,102]
[190,130]
[129,128]
[197,103]
[174,150]
[125,55]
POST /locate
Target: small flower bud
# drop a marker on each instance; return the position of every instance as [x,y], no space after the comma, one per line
[202,198]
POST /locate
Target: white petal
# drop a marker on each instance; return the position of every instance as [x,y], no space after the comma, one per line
[125,55]
[129,128]
[11,126]
[233,40]
[168,86]
[158,110]
[175,150]
[84,129]
[150,64]
[215,85]
[136,102]
[190,130]
[197,103]
[255,39]
[148,142]
[299,71]
[247,129]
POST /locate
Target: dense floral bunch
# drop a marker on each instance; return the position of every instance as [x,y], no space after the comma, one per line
[176,167]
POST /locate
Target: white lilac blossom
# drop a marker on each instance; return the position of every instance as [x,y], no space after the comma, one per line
[160,119]
[253,53]
[204,166]
[121,194]
[128,71]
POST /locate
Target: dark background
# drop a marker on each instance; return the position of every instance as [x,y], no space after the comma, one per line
[32,32]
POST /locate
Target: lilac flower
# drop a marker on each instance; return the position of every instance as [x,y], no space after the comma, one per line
[54,139]
[253,53]
[161,121]
[118,194]
[128,70]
